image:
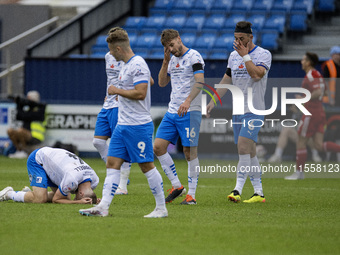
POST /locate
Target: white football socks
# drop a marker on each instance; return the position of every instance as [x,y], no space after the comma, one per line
[278,152]
[102,147]
[17,196]
[124,175]
[169,169]
[193,174]
[110,187]
[243,168]
[156,185]
[255,176]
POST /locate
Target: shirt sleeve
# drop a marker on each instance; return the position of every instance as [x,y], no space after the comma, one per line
[68,184]
[94,181]
[265,60]
[140,73]
[197,59]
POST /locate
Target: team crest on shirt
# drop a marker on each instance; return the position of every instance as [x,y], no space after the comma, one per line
[68,187]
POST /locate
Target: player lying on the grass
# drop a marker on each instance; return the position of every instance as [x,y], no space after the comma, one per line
[63,172]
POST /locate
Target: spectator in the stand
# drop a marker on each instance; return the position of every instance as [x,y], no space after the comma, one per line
[331,70]
[32,133]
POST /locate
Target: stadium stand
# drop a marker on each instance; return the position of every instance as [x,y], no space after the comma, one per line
[208,25]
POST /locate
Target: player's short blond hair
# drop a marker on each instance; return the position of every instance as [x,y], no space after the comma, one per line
[168,35]
[118,35]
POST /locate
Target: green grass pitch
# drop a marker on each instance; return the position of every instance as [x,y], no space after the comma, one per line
[299,217]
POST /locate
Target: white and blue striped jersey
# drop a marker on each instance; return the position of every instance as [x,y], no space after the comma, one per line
[134,112]
[65,169]
[113,68]
[182,78]
[241,78]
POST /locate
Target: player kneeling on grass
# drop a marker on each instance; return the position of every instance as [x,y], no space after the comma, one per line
[63,172]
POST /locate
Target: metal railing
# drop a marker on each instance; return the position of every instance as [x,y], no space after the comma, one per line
[13,68]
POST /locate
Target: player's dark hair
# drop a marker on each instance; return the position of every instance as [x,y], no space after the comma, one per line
[243,27]
[168,35]
[312,58]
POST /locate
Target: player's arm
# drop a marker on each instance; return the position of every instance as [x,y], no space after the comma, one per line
[60,198]
[220,91]
[163,77]
[199,81]
[255,72]
[138,93]
[152,82]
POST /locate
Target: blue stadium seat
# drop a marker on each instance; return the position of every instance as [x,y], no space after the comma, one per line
[204,52]
[99,49]
[205,41]
[157,45]
[263,5]
[282,5]
[135,22]
[233,19]
[163,4]
[326,6]
[188,39]
[98,55]
[303,5]
[275,22]
[158,12]
[243,5]
[254,37]
[298,22]
[203,5]
[269,40]
[101,40]
[156,54]
[218,54]
[175,22]
[222,6]
[146,40]
[194,22]
[183,5]
[214,23]
[225,42]
[133,39]
[257,21]
[143,52]
[154,22]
